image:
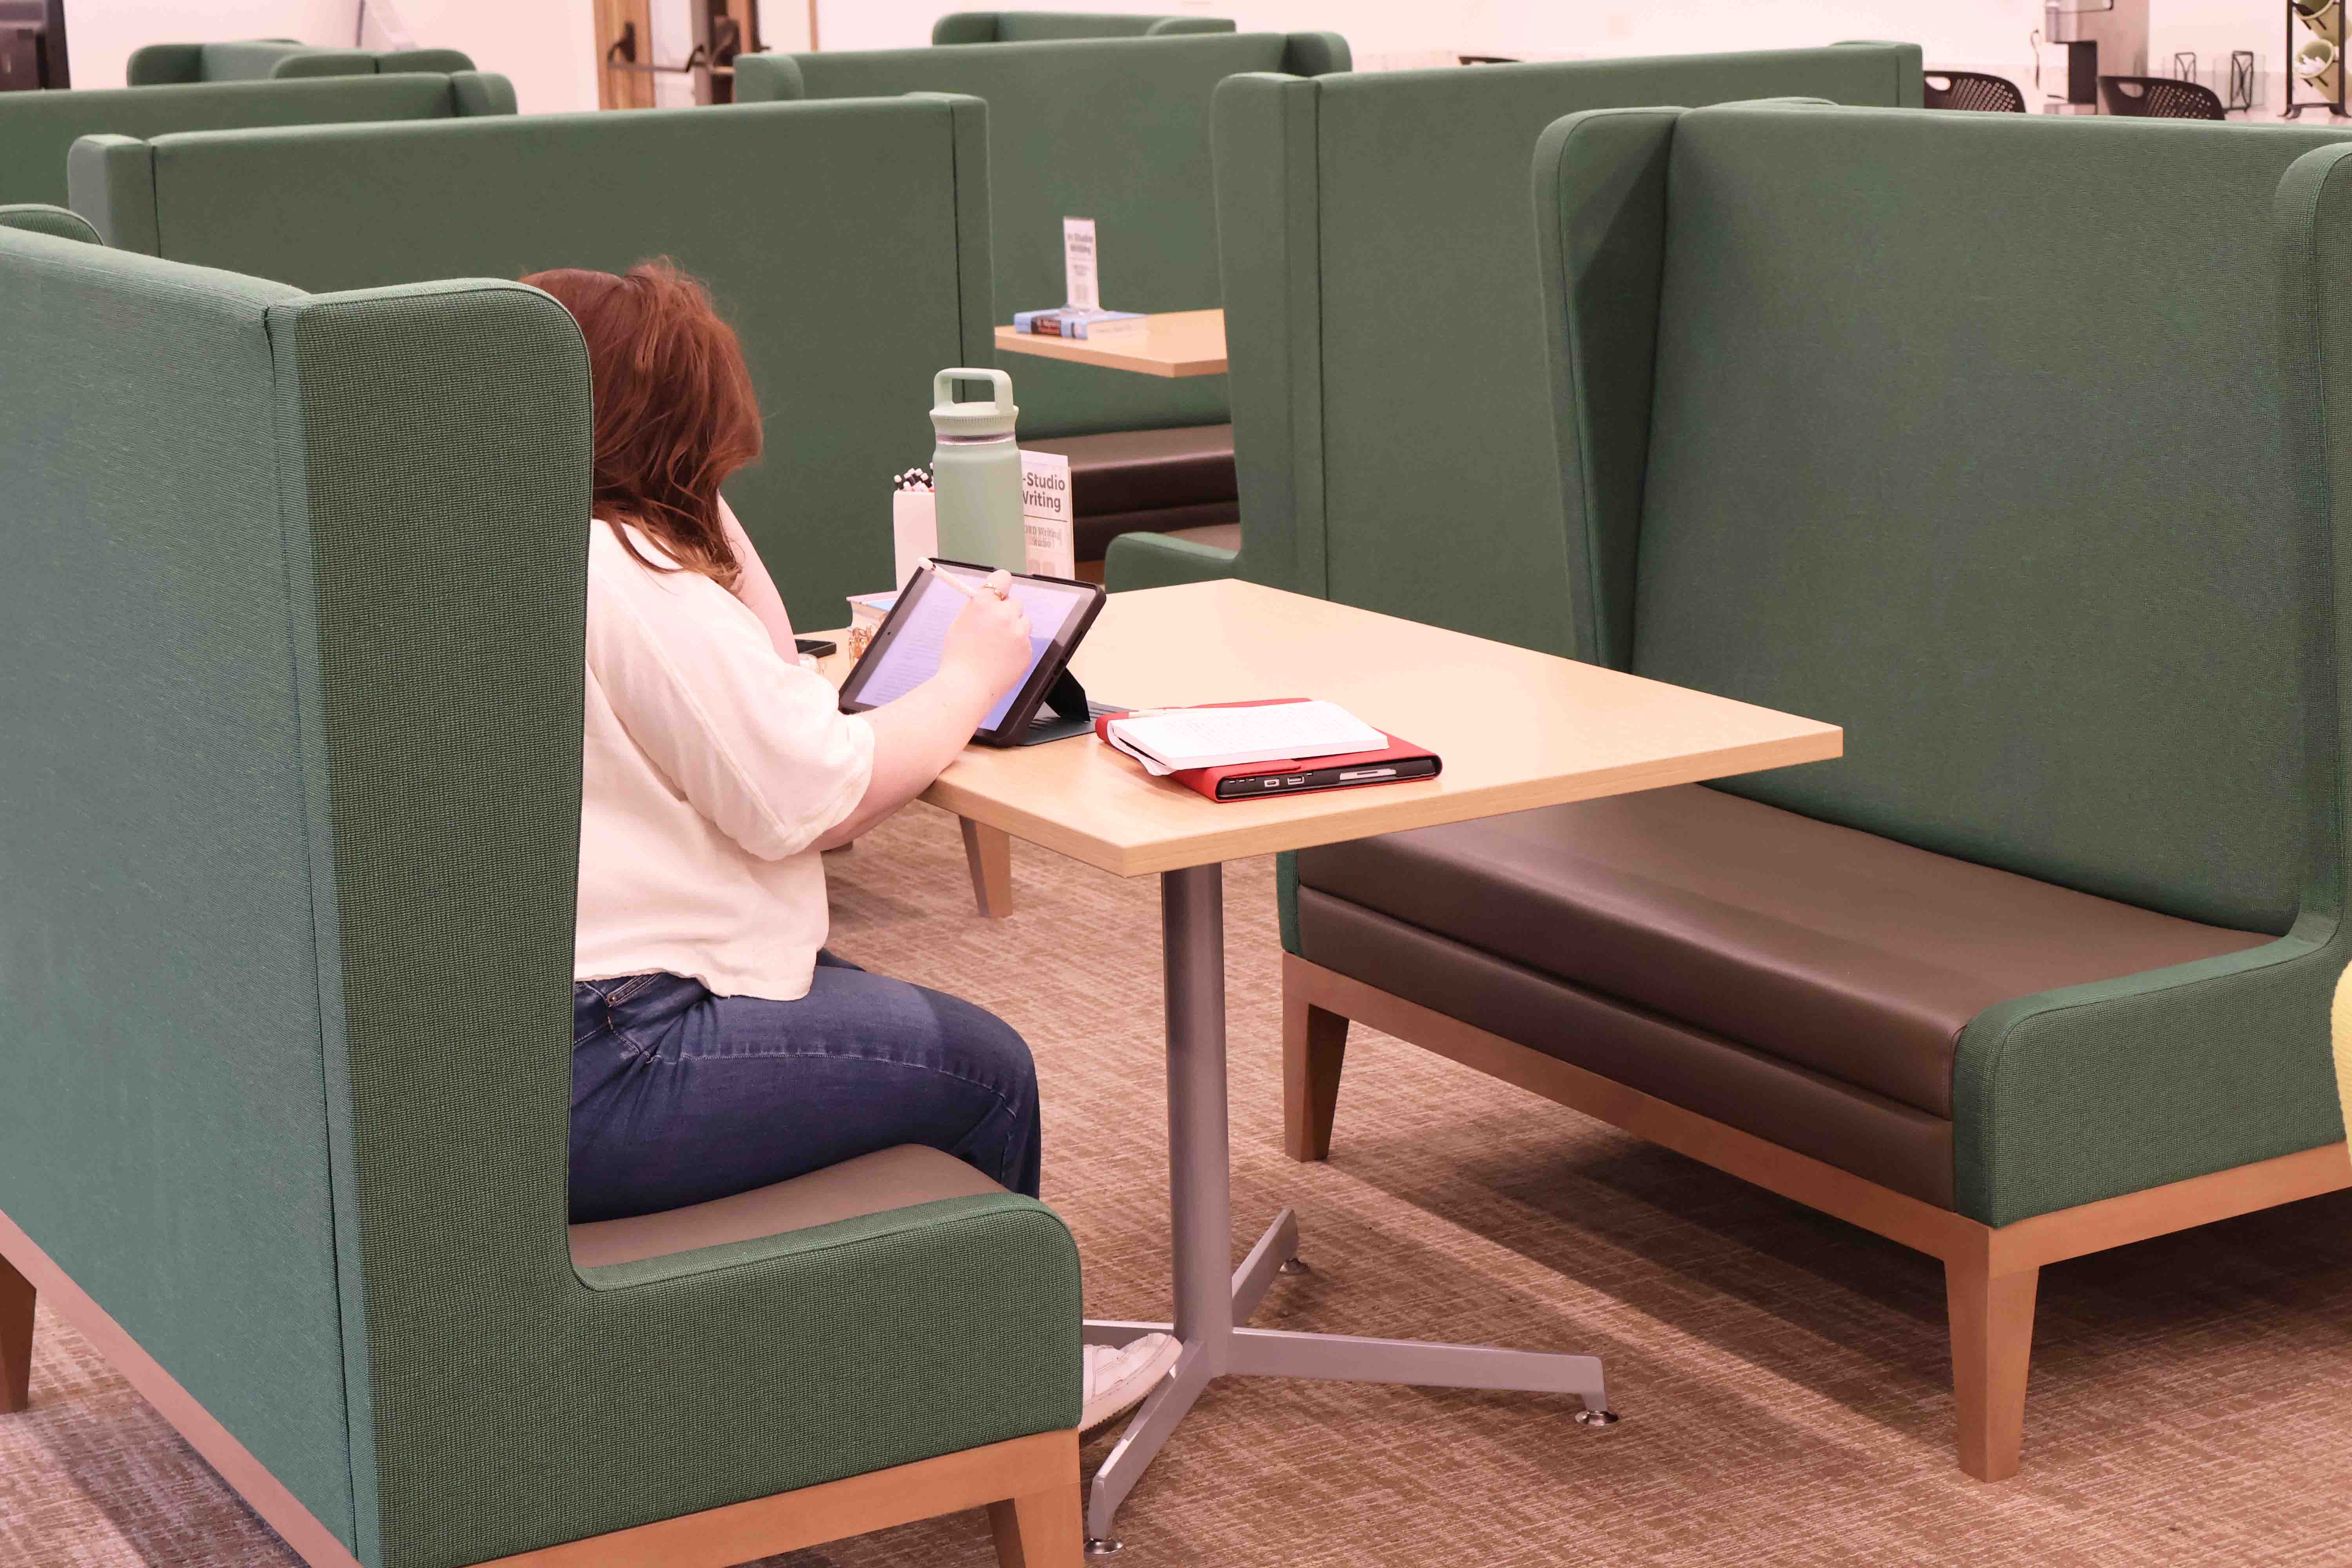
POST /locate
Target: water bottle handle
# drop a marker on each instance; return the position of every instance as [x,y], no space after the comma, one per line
[999,385]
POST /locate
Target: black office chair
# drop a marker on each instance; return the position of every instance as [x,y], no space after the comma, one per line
[1973,90]
[2158,98]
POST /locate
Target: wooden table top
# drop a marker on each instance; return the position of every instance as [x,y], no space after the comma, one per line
[1178,343]
[1515,729]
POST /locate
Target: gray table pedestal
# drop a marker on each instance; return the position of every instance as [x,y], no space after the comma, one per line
[1213,1305]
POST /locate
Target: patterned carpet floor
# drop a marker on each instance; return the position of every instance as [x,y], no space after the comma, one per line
[1782,1376]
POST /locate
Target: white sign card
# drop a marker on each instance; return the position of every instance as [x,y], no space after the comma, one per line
[914,531]
[1081,284]
[1047,515]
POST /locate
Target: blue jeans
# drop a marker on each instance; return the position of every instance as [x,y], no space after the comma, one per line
[678,1096]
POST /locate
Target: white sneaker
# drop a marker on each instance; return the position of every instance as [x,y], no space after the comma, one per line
[1118,1377]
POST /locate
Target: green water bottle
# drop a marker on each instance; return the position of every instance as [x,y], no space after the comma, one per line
[976,470]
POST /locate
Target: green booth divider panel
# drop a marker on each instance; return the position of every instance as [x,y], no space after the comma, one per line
[1033,27]
[847,293]
[2049,529]
[1116,129]
[1391,394]
[164,1135]
[37,128]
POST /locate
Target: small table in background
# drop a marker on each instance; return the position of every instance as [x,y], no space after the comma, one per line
[1177,343]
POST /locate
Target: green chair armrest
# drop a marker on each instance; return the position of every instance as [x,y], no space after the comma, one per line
[1160,560]
[43,219]
[157,65]
[477,92]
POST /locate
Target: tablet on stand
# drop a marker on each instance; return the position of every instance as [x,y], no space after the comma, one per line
[1047,704]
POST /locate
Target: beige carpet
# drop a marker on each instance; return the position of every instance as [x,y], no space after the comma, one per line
[1783,1377]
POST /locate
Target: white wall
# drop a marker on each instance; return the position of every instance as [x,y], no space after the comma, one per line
[547,46]
[101,33]
[1981,34]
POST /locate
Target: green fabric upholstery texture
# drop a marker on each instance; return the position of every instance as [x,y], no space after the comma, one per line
[285,957]
[1390,388]
[163,1137]
[847,294]
[2051,535]
[58,221]
[1041,26]
[37,128]
[278,60]
[1116,129]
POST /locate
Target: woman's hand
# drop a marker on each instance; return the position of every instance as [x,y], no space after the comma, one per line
[989,642]
[983,655]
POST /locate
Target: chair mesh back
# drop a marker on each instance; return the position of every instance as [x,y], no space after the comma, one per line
[2157,98]
[1974,91]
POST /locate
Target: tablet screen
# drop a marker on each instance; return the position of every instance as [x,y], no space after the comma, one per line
[912,655]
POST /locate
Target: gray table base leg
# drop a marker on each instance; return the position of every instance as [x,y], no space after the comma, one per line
[1279,1353]
[1211,1304]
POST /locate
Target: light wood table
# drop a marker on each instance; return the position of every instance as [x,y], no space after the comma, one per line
[1177,343]
[1516,730]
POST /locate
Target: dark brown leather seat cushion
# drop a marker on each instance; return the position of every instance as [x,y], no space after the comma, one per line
[1852,956]
[1810,1112]
[1124,481]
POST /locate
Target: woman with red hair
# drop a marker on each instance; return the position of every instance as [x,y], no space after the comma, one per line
[717,1045]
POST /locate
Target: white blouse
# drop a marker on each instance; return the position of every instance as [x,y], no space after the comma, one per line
[712,766]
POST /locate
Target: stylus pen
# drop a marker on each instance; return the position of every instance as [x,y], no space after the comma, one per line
[996,582]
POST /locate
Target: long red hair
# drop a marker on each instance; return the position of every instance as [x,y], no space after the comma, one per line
[675,410]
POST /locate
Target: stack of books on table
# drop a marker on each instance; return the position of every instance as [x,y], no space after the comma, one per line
[1092,325]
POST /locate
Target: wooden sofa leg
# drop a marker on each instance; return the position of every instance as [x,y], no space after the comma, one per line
[1314,1047]
[1992,1346]
[989,852]
[1042,1530]
[16,1339]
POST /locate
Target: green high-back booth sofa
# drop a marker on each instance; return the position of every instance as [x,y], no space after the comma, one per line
[278,60]
[1113,128]
[848,292]
[2051,520]
[291,675]
[1037,26]
[1388,382]
[38,128]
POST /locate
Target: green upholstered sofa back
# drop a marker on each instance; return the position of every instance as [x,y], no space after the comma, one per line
[37,128]
[291,670]
[277,59]
[1037,26]
[1391,392]
[1116,129]
[847,293]
[2023,518]
[165,1133]
[37,218]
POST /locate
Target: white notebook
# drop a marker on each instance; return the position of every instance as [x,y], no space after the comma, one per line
[1222,737]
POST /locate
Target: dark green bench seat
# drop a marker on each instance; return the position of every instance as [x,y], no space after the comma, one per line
[848,293]
[291,675]
[2042,964]
[277,59]
[37,130]
[1038,26]
[1389,396]
[1115,129]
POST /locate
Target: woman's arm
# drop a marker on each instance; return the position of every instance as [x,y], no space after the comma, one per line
[985,653]
[756,588]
